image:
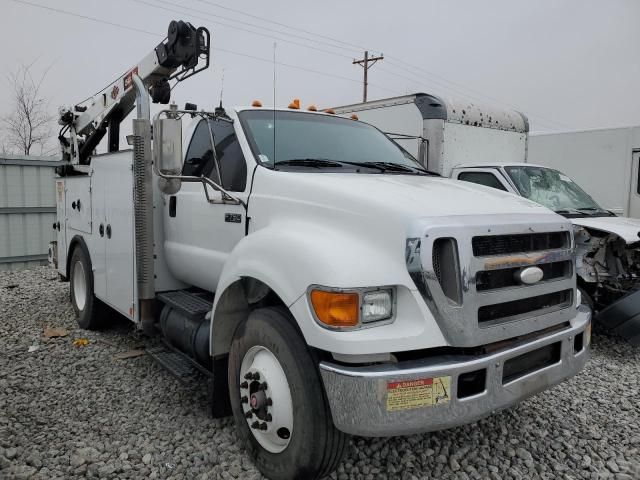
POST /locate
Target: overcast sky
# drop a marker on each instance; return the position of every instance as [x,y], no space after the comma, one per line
[568,65]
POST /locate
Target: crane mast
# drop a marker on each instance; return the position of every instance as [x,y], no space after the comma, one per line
[183,53]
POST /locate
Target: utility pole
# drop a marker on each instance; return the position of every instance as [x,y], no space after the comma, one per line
[366,63]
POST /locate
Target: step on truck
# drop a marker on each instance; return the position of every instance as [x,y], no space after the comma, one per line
[489,146]
[324,282]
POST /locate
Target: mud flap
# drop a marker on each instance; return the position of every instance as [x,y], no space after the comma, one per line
[623,317]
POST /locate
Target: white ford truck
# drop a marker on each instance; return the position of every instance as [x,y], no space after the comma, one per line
[488,146]
[321,279]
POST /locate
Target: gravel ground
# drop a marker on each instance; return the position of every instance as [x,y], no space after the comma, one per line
[70,411]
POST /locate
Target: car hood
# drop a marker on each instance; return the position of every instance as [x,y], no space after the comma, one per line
[401,195]
[626,228]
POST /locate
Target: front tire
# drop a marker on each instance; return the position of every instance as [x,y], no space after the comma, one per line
[89,310]
[278,400]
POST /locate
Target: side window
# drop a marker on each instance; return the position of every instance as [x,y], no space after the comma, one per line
[199,160]
[482,178]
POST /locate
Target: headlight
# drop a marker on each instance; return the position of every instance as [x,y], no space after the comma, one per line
[349,309]
[376,306]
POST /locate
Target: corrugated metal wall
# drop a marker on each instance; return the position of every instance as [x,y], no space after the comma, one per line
[27,210]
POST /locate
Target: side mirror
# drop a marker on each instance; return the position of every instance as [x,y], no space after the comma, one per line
[167,143]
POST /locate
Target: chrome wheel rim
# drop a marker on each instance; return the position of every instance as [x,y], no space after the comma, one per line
[79,286]
[265,398]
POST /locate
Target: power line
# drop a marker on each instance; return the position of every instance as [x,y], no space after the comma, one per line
[473,98]
[397,62]
[262,19]
[232,52]
[186,10]
[106,22]
[253,25]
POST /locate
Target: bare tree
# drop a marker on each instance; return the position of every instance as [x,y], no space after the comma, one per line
[29,123]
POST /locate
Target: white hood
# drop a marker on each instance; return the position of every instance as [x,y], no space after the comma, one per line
[626,228]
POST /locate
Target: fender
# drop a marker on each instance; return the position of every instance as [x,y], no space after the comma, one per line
[77,240]
[317,256]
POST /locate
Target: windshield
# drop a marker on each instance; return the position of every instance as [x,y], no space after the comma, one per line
[307,141]
[554,190]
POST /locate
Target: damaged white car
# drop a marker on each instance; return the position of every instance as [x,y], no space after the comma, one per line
[607,246]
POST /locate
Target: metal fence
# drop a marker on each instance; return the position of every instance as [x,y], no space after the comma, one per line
[27,210]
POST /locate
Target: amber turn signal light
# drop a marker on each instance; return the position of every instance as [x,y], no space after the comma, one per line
[336,309]
[256,103]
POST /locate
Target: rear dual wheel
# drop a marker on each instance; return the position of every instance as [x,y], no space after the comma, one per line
[89,310]
[278,401]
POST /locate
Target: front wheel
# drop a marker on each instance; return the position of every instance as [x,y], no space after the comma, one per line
[278,401]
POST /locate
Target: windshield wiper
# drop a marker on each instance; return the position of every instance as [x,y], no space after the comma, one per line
[569,211]
[329,163]
[398,167]
[593,209]
[326,162]
[310,162]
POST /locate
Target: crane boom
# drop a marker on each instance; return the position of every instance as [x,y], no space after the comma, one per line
[183,53]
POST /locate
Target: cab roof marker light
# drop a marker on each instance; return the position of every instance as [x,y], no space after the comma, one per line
[295,104]
[256,103]
[312,108]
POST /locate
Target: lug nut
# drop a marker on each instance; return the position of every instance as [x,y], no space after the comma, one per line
[244,400]
[263,426]
[244,385]
[263,386]
[256,376]
[268,417]
[255,424]
[248,376]
[248,414]
[269,402]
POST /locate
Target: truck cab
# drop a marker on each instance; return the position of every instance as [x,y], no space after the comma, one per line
[322,280]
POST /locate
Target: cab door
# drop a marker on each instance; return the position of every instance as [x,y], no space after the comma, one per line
[634,194]
[199,236]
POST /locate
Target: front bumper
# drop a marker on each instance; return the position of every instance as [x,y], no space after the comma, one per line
[423,395]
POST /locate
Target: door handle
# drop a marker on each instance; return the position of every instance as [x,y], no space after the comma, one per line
[101,230]
[109,231]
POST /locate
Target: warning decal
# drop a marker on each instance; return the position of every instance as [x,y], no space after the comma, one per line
[424,392]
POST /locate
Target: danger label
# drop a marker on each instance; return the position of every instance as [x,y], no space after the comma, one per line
[424,392]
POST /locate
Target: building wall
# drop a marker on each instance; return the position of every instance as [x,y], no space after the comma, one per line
[27,210]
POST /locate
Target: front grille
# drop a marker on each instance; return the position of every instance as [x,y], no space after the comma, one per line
[507,277]
[469,278]
[539,304]
[528,242]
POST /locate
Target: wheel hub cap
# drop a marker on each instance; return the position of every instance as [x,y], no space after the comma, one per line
[265,398]
[79,286]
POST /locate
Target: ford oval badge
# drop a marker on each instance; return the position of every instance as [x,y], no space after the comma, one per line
[530,275]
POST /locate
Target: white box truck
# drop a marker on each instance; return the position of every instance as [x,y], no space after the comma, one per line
[491,147]
[320,277]
[603,161]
